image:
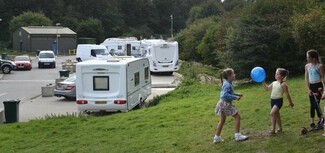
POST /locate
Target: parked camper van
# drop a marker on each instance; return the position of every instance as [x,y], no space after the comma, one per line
[162,55]
[119,83]
[90,51]
[121,46]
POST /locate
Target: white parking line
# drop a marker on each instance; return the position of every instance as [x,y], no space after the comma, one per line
[3,94]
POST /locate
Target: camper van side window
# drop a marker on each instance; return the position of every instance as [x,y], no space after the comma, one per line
[100,83]
[119,47]
[136,79]
[146,73]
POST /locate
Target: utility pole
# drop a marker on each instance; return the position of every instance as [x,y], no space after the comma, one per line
[171,26]
[57,38]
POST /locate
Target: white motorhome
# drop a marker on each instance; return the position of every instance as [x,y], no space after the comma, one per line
[118,83]
[163,55]
[119,46]
[90,51]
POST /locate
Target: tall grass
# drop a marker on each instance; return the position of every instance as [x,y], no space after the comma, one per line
[181,121]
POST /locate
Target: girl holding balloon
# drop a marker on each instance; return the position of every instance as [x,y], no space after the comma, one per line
[225,107]
[278,87]
[314,78]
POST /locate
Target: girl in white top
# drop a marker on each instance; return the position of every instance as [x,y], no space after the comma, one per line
[278,87]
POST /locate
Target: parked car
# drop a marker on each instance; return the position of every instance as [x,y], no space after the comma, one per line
[23,62]
[46,58]
[6,66]
[66,88]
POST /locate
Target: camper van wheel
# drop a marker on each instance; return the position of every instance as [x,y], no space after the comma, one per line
[86,112]
[141,104]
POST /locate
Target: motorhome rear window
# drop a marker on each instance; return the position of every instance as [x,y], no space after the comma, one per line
[101,83]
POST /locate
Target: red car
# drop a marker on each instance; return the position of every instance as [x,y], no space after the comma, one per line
[23,62]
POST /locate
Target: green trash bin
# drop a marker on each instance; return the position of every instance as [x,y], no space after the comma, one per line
[11,110]
[64,73]
[4,56]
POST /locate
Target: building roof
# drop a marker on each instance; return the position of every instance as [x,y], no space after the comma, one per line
[48,30]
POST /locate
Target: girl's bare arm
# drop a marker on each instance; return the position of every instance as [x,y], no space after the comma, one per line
[307,80]
[286,91]
[267,87]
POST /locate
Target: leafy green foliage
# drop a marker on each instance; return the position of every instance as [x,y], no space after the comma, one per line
[92,28]
[308,29]
[264,33]
[190,38]
[29,19]
[205,9]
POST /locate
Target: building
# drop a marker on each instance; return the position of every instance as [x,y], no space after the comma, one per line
[34,38]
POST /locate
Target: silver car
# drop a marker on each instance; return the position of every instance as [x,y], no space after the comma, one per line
[66,88]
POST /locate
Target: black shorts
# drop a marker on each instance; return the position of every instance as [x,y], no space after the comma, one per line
[277,102]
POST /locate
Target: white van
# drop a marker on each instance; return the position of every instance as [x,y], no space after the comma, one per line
[46,58]
[163,55]
[118,83]
[90,51]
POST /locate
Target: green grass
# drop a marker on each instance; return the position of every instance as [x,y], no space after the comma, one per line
[181,121]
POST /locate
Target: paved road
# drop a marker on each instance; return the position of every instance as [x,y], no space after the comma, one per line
[33,107]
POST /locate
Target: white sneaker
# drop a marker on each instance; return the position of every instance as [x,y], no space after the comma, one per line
[217,139]
[240,137]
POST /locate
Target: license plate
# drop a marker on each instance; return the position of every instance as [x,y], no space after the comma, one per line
[20,66]
[100,102]
[46,63]
[59,87]
[165,65]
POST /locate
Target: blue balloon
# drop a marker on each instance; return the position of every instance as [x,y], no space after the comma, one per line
[258,74]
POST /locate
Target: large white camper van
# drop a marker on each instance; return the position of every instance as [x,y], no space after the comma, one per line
[163,55]
[114,84]
[119,46]
[90,51]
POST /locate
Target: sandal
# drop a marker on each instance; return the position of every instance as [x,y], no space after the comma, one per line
[271,132]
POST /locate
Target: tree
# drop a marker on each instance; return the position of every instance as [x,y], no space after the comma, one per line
[205,9]
[263,38]
[190,38]
[308,30]
[208,45]
[29,19]
[92,28]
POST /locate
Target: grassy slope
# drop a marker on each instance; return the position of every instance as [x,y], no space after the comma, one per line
[183,121]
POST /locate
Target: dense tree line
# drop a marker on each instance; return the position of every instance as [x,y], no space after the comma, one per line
[140,18]
[267,33]
[240,34]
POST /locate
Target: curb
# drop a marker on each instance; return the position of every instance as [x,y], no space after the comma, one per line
[1,76]
[163,86]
